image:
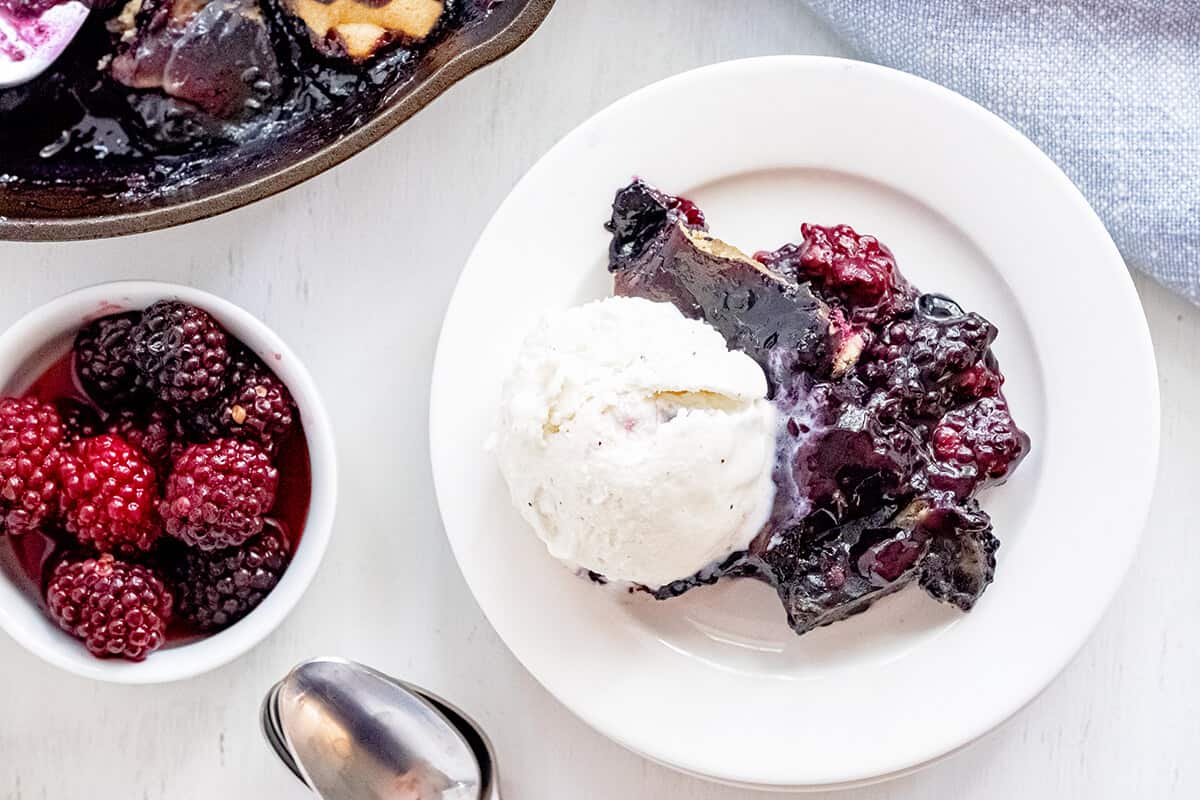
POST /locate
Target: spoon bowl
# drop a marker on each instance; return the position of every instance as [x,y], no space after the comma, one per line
[352,733]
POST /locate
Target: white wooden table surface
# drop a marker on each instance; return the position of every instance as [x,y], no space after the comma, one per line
[355,268]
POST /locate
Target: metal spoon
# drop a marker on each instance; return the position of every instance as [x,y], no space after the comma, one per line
[351,733]
[31,41]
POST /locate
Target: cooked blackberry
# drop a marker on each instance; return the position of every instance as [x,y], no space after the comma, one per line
[31,433]
[218,493]
[104,363]
[923,360]
[257,406]
[181,353]
[109,495]
[975,446]
[118,609]
[215,589]
[855,270]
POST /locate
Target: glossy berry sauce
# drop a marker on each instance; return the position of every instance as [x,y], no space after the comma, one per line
[77,124]
[31,558]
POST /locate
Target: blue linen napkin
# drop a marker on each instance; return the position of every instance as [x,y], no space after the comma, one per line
[1110,89]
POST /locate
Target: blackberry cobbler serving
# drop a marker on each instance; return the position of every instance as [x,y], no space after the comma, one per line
[153,481]
[803,416]
[150,93]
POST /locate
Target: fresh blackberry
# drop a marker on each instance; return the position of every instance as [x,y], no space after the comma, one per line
[975,446]
[80,421]
[103,361]
[155,432]
[257,406]
[109,495]
[181,353]
[118,609]
[856,270]
[31,435]
[215,589]
[921,359]
[218,493]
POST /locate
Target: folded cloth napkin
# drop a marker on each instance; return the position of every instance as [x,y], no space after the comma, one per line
[1110,89]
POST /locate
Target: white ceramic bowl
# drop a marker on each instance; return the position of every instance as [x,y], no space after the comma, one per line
[43,336]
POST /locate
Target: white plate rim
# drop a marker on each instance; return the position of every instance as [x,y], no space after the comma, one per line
[1138,488]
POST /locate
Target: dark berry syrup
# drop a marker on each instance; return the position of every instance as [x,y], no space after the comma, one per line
[30,558]
[76,124]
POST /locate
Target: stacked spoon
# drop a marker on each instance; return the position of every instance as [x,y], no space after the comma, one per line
[349,732]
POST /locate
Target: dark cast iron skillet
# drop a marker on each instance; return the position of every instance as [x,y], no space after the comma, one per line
[74,210]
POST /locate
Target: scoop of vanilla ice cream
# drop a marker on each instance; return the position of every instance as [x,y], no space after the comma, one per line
[636,444]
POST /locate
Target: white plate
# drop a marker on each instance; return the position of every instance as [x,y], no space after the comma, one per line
[714,683]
